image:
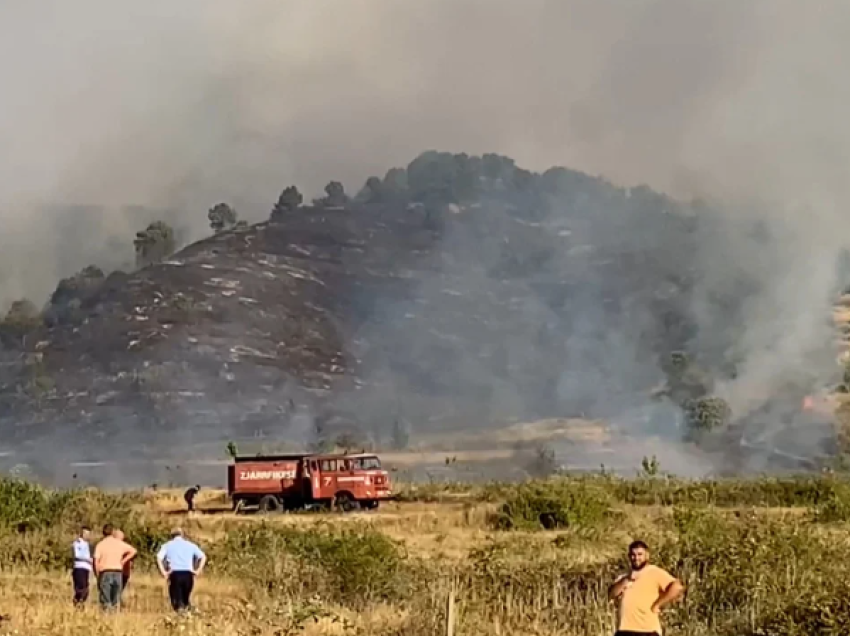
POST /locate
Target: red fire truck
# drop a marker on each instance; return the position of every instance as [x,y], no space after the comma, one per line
[288,482]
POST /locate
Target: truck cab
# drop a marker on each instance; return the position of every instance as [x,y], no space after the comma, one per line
[285,482]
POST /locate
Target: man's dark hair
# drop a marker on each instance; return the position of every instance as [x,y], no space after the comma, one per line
[84,528]
[107,530]
[634,545]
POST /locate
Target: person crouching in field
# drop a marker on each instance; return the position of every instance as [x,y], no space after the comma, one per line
[189,497]
[82,566]
[110,557]
[128,566]
[642,593]
[180,561]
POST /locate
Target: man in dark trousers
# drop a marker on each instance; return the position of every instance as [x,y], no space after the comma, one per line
[189,496]
[180,561]
[642,593]
[82,566]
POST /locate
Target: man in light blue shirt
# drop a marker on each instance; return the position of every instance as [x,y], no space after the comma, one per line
[180,561]
[82,566]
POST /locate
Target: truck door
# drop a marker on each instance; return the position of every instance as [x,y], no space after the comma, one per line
[309,473]
[349,479]
[327,479]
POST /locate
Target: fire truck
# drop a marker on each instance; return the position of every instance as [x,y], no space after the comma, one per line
[276,483]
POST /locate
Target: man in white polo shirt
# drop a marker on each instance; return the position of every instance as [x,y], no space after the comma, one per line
[82,567]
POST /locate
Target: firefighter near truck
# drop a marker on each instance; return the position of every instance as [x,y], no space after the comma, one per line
[278,483]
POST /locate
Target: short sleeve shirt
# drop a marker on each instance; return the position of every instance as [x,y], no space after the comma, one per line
[635,610]
[180,555]
[109,553]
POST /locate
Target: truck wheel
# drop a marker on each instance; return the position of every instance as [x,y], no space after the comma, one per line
[269,503]
[345,502]
[370,504]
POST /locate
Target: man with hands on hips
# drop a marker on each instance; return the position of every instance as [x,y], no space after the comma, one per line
[642,593]
[180,561]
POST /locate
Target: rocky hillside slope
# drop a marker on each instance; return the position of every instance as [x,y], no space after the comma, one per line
[473,294]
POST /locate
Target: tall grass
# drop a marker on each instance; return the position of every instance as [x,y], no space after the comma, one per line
[753,565]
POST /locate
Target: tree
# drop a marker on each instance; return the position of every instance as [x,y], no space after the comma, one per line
[395,181]
[22,318]
[431,178]
[497,167]
[372,192]
[69,295]
[705,414]
[154,244]
[336,196]
[222,217]
[80,284]
[290,199]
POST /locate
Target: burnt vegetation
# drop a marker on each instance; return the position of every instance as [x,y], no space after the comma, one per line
[457,291]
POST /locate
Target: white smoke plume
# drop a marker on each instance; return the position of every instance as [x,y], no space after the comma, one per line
[178,105]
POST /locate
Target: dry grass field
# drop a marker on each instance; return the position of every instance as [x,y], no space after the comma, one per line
[761,557]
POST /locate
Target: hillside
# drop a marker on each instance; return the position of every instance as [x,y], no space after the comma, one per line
[476,295]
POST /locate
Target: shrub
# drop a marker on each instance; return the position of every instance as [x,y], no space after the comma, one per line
[290,199]
[355,565]
[22,319]
[518,584]
[36,524]
[335,194]
[764,564]
[824,611]
[834,505]
[706,414]
[792,491]
[154,244]
[553,504]
[222,217]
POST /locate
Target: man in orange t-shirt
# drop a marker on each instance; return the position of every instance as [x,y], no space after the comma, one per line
[110,557]
[642,593]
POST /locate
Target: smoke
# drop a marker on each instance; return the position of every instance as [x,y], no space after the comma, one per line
[173,107]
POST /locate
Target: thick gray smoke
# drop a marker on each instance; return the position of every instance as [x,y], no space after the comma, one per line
[176,106]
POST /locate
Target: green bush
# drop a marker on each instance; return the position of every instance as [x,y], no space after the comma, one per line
[520,584]
[824,611]
[793,491]
[747,572]
[553,504]
[354,565]
[27,506]
[780,492]
[834,505]
[37,525]
[705,414]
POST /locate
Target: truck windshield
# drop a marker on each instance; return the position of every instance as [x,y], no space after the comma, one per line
[367,463]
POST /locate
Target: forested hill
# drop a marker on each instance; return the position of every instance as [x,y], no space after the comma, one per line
[458,292]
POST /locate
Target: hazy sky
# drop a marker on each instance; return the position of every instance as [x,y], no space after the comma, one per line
[182,104]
